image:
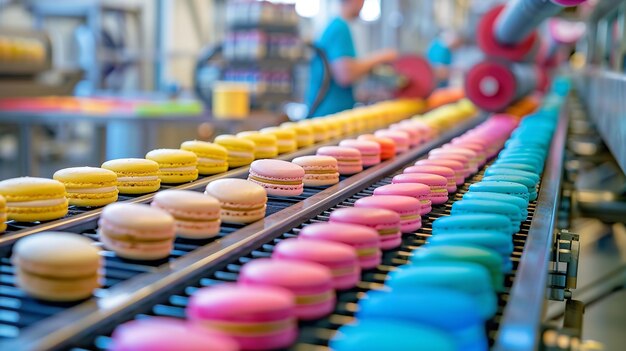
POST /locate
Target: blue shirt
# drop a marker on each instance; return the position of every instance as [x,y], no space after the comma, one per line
[438,53]
[337,43]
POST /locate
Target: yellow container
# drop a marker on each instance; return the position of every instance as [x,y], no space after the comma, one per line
[231,100]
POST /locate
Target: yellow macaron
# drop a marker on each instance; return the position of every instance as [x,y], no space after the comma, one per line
[31,199]
[175,166]
[88,186]
[3,214]
[286,138]
[265,145]
[212,158]
[304,133]
[320,130]
[135,175]
[240,150]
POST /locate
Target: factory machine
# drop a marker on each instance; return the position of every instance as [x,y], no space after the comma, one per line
[544,258]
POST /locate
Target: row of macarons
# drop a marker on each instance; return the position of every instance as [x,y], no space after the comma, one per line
[303,272]
[142,232]
[37,199]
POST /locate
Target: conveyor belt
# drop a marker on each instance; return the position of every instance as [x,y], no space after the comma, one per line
[57,326]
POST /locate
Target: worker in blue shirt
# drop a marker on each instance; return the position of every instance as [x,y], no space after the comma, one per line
[336,41]
[439,54]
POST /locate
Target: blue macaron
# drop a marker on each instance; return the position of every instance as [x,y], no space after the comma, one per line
[489,259]
[502,244]
[509,188]
[467,277]
[503,170]
[388,334]
[452,311]
[527,182]
[503,198]
[473,223]
[512,212]
[516,165]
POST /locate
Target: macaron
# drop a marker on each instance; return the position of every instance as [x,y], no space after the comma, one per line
[311,283]
[365,240]
[416,190]
[341,259]
[196,215]
[409,209]
[468,169]
[497,242]
[277,177]
[387,145]
[450,154]
[489,259]
[256,317]
[451,311]
[388,334]
[445,172]
[509,188]
[527,182]
[400,138]
[3,214]
[31,199]
[470,278]
[319,171]
[438,185]
[211,157]
[285,138]
[456,166]
[88,186]
[480,156]
[265,145]
[320,130]
[135,176]
[479,222]
[475,159]
[241,201]
[515,165]
[56,266]
[168,334]
[504,198]
[385,222]
[348,159]
[304,133]
[240,150]
[415,137]
[175,166]
[137,231]
[504,170]
[510,211]
[370,150]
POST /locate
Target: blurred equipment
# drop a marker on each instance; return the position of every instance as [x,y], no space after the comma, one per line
[410,76]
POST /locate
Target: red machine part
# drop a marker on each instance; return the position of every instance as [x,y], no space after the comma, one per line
[419,75]
[489,45]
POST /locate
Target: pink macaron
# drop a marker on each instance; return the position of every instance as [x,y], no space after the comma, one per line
[311,283]
[415,138]
[370,150]
[277,177]
[258,318]
[348,159]
[438,185]
[449,154]
[341,259]
[419,191]
[456,166]
[407,207]
[319,171]
[445,172]
[364,240]
[385,222]
[168,334]
[481,155]
[473,157]
[399,137]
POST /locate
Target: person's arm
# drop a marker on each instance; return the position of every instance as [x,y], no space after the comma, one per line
[347,70]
